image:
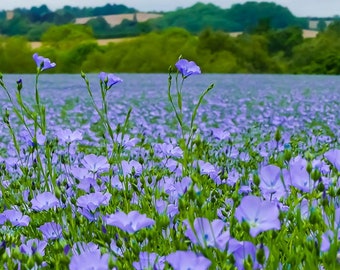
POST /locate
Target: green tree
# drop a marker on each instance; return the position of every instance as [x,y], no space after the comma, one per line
[67,36]
[16,26]
[72,60]
[16,55]
[35,33]
[321,25]
[100,27]
[249,14]
[319,55]
[284,40]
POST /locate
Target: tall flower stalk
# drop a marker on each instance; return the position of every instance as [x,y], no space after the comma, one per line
[106,83]
[37,115]
[185,69]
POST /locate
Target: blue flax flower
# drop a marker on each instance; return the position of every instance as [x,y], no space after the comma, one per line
[15,217]
[90,260]
[131,222]
[243,251]
[109,79]
[43,62]
[82,247]
[95,163]
[93,200]
[271,183]
[51,230]
[206,233]
[187,68]
[299,176]
[184,260]
[149,261]
[260,215]
[44,201]
[33,246]
[333,155]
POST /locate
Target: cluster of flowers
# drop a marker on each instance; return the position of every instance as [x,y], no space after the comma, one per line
[259,206]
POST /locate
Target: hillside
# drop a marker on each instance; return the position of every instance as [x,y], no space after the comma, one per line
[116,21]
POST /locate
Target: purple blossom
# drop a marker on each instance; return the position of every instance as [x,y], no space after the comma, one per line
[15,217]
[80,173]
[220,133]
[168,150]
[90,215]
[90,260]
[170,209]
[131,166]
[207,168]
[126,141]
[244,250]
[33,246]
[149,261]
[95,163]
[184,260]
[233,177]
[44,201]
[67,136]
[333,155]
[187,68]
[241,252]
[87,183]
[3,219]
[42,62]
[320,165]
[109,79]
[271,182]
[326,239]
[81,247]
[131,222]
[260,215]
[206,233]
[51,230]
[299,176]
[93,200]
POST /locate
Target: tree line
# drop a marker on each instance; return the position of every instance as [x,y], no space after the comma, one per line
[263,50]
[33,23]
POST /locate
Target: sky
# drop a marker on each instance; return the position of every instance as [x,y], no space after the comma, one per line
[300,8]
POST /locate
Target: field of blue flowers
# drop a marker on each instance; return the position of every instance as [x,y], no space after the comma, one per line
[190,186]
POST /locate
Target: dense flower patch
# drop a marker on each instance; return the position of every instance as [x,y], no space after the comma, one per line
[190,184]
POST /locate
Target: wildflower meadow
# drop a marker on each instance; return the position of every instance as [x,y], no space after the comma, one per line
[187,190]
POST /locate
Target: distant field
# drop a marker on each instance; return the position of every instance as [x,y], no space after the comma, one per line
[114,20]
[306,33]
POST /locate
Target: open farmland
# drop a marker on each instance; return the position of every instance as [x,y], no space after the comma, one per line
[114,20]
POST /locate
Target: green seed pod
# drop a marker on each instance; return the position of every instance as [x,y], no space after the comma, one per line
[315,175]
[277,135]
[260,255]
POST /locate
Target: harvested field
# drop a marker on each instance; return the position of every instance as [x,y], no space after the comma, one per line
[114,20]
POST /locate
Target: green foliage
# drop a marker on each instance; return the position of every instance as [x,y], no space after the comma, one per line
[266,50]
[15,55]
[250,13]
[108,9]
[240,17]
[36,33]
[195,18]
[100,27]
[285,40]
[72,60]
[319,55]
[66,36]
[16,26]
